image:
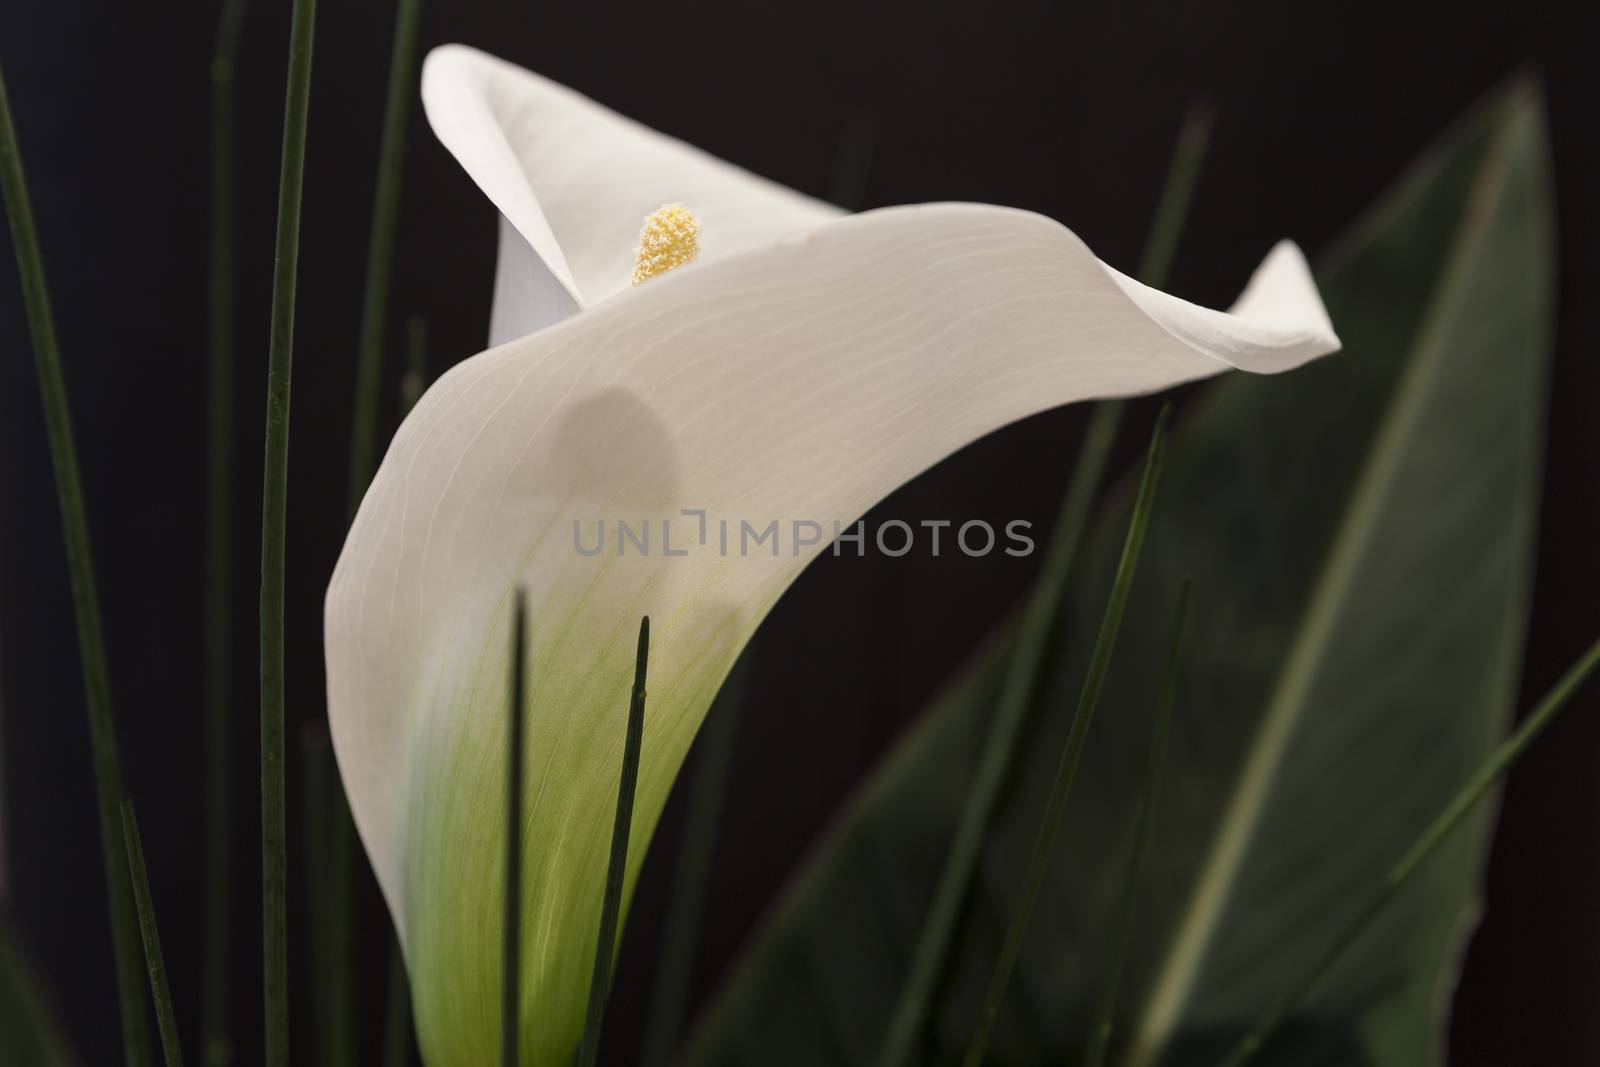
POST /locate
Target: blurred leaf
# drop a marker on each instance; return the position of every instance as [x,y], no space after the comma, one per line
[1363,533]
[29,1032]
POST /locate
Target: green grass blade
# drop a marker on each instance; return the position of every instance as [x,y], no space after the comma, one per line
[160,993]
[380,248]
[274,515]
[675,958]
[85,599]
[1100,1029]
[1022,672]
[511,928]
[1454,813]
[216,967]
[1094,679]
[611,906]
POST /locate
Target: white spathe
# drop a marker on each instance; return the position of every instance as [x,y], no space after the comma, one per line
[809,363]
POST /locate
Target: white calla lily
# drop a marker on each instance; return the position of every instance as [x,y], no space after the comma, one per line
[805,366]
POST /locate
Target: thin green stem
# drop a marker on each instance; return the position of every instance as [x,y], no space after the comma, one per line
[1094,678]
[1038,622]
[1437,832]
[274,516]
[511,928]
[1100,1029]
[675,959]
[611,904]
[216,1039]
[159,991]
[380,248]
[85,600]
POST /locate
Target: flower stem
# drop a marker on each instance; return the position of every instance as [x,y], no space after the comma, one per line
[274,513]
[85,600]
[216,1038]
[692,870]
[511,929]
[611,904]
[160,993]
[1100,1030]
[1066,770]
[1438,831]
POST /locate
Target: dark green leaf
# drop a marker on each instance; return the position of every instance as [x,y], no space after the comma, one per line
[1363,528]
[605,952]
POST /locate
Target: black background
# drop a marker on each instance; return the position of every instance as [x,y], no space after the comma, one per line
[1068,109]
